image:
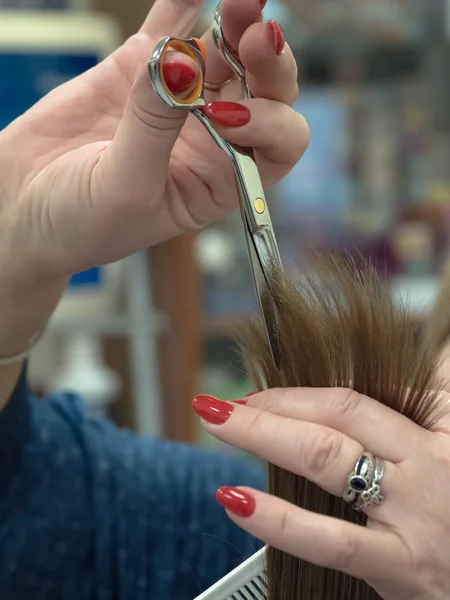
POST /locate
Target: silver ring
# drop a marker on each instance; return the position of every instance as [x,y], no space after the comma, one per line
[360,479]
[372,496]
[215,87]
[363,489]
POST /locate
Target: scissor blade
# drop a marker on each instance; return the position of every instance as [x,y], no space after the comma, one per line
[261,243]
[261,278]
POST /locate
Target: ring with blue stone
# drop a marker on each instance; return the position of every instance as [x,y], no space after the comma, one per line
[372,496]
[360,479]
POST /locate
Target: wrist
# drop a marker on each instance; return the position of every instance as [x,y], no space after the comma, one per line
[26,304]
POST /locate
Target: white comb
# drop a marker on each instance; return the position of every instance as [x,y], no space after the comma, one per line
[246,582]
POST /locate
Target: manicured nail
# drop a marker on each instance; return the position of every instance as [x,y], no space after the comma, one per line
[179,76]
[236,501]
[276,36]
[212,409]
[228,114]
[243,401]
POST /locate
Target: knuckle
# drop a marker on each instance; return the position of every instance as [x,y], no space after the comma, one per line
[342,548]
[303,124]
[294,98]
[424,566]
[304,132]
[322,451]
[252,429]
[343,403]
[287,139]
[278,135]
[285,134]
[283,527]
[294,135]
[269,400]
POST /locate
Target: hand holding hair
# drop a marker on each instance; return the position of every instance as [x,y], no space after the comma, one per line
[364,385]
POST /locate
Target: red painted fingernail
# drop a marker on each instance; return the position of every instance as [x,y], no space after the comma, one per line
[179,76]
[236,501]
[263,3]
[243,401]
[212,409]
[277,36]
[228,114]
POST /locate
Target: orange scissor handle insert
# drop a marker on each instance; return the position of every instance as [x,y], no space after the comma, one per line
[201,47]
[188,49]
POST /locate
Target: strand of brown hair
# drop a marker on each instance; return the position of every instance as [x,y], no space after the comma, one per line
[337,327]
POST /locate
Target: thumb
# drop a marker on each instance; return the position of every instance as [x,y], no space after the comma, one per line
[138,157]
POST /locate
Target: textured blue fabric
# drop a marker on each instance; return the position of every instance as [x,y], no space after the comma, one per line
[91,512]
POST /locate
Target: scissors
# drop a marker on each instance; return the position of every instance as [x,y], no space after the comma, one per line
[261,243]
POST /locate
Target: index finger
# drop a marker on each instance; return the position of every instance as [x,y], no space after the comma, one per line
[378,428]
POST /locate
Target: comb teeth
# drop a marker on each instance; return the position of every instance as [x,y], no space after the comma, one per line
[256,589]
[246,582]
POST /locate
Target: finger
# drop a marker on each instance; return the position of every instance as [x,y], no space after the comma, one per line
[181,73]
[236,17]
[320,454]
[146,134]
[279,134]
[379,429]
[171,17]
[375,556]
[269,74]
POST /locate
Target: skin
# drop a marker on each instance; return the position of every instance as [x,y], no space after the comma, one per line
[404,552]
[105,170]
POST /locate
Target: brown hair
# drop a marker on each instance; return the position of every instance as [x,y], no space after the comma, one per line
[338,327]
[437,330]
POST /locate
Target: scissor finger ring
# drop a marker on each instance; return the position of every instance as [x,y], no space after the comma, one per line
[216,87]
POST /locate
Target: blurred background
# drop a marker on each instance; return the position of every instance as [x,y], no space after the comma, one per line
[141,337]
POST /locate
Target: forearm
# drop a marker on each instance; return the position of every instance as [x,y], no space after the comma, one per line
[26,304]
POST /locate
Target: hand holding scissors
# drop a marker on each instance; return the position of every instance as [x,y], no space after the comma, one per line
[259,234]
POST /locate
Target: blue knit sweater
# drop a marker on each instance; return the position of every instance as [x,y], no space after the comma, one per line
[91,512]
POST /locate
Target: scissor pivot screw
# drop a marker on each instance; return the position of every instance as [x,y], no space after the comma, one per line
[260,205]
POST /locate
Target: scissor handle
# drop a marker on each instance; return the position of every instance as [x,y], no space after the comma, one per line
[195,49]
[229,55]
